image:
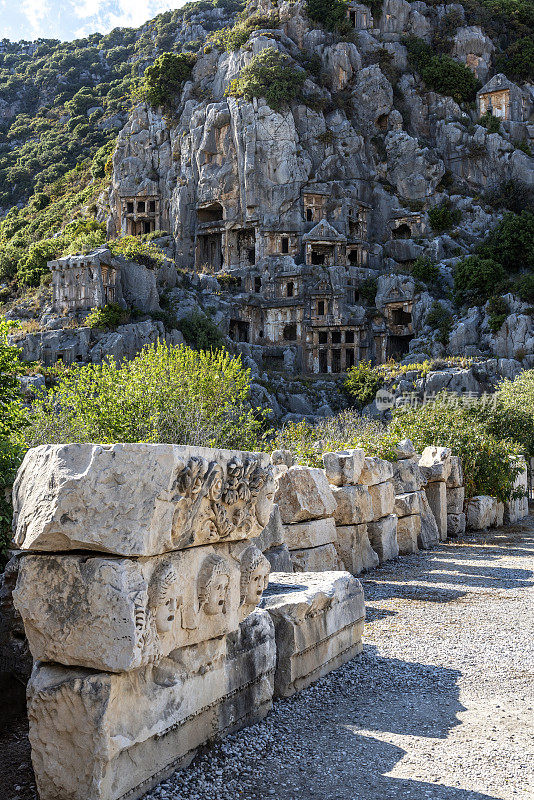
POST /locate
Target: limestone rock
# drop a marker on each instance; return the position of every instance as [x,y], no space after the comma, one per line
[407,504]
[455,500]
[456,477]
[481,512]
[313,533]
[303,493]
[344,467]
[138,499]
[383,537]
[119,614]
[101,736]
[318,621]
[455,525]
[354,548]
[435,463]
[353,505]
[436,493]
[315,559]
[279,558]
[383,499]
[407,477]
[404,449]
[408,532]
[273,533]
[375,470]
[429,529]
[15,656]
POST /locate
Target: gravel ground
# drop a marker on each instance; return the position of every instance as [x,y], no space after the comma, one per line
[439,705]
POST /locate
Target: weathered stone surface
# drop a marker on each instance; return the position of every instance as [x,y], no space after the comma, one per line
[101,736]
[344,467]
[279,558]
[354,548]
[408,532]
[455,525]
[138,499]
[313,533]
[318,621]
[15,656]
[119,614]
[383,499]
[481,512]
[455,500]
[375,470]
[404,449]
[315,559]
[273,533]
[456,476]
[304,493]
[436,493]
[429,529]
[407,504]
[383,537]
[435,463]
[407,477]
[353,505]
[515,510]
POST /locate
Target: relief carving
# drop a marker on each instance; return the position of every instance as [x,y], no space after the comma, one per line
[213,581]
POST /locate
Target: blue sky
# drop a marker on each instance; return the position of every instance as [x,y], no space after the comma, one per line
[71,19]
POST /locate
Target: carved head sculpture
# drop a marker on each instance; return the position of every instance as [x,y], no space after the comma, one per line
[213,580]
[263,490]
[255,570]
[163,600]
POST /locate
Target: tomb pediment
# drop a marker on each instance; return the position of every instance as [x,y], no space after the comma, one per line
[323,232]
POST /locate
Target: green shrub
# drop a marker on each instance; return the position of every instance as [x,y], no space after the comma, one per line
[525,287]
[110,316]
[476,279]
[165,394]
[440,72]
[164,79]
[440,319]
[368,289]
[201,332]
[498,310]
[513,414]
[330,13]
[137,249]
[234,38]
[511,242]
[491,123]
[443,217]
[513,195]
[31,268]
[362,383]
[425,270]
[517,62]
[271,75]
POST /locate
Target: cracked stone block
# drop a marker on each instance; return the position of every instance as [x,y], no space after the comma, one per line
[407,504]
[408,531]
[105,736]
[375,470]
[353,505]
[481,512]
[383,499]
[304,493]
[344,467]
[318,620]
[383,537]
[435,463]
[429,536]
[455,500]
[315,559]
[313,533]
[455,525]
[354,548]
[456,477]
[436,493]
[407,477]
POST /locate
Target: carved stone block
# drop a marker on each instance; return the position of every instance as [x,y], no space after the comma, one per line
[304,493]
[383,537]
[353,505]
[119,614]
[455,525]
[139,499]
[344,467]
[383,499]
[315,559]
[375,470]
[102,736]
[318,619]
[408,530]
[456,476]
[406,504]
[354,548]
[313,533]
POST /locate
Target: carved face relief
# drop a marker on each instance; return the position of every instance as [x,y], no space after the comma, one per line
[163,599]
[213,581]
[255,570]
[259,578]
[165,614]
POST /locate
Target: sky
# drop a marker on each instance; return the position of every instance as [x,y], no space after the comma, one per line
[72,19]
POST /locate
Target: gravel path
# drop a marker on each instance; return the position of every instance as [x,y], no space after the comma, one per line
[440,704]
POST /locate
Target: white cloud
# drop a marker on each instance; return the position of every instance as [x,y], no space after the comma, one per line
[35,12]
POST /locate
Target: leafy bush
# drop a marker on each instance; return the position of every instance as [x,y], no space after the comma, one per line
[31,268]
[513,414]
[166,394]
[442,217]
[440,319]
[498,310]
[513,195]
[368,289]
[330,13]
[491,123]
[201,332]
[164,79]
[136,248]
[234,38]
[511,242]
[476,279]
[517,62]
[109,316]
[440,72]
[525,287]
[362,382]
[425,270]
[271,75]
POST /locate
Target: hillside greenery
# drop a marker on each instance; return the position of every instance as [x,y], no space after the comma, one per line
[272,75]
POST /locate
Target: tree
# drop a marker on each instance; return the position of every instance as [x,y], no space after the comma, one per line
[476,279]
[271,75]
[330,13]
[511,242]
[164,79]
